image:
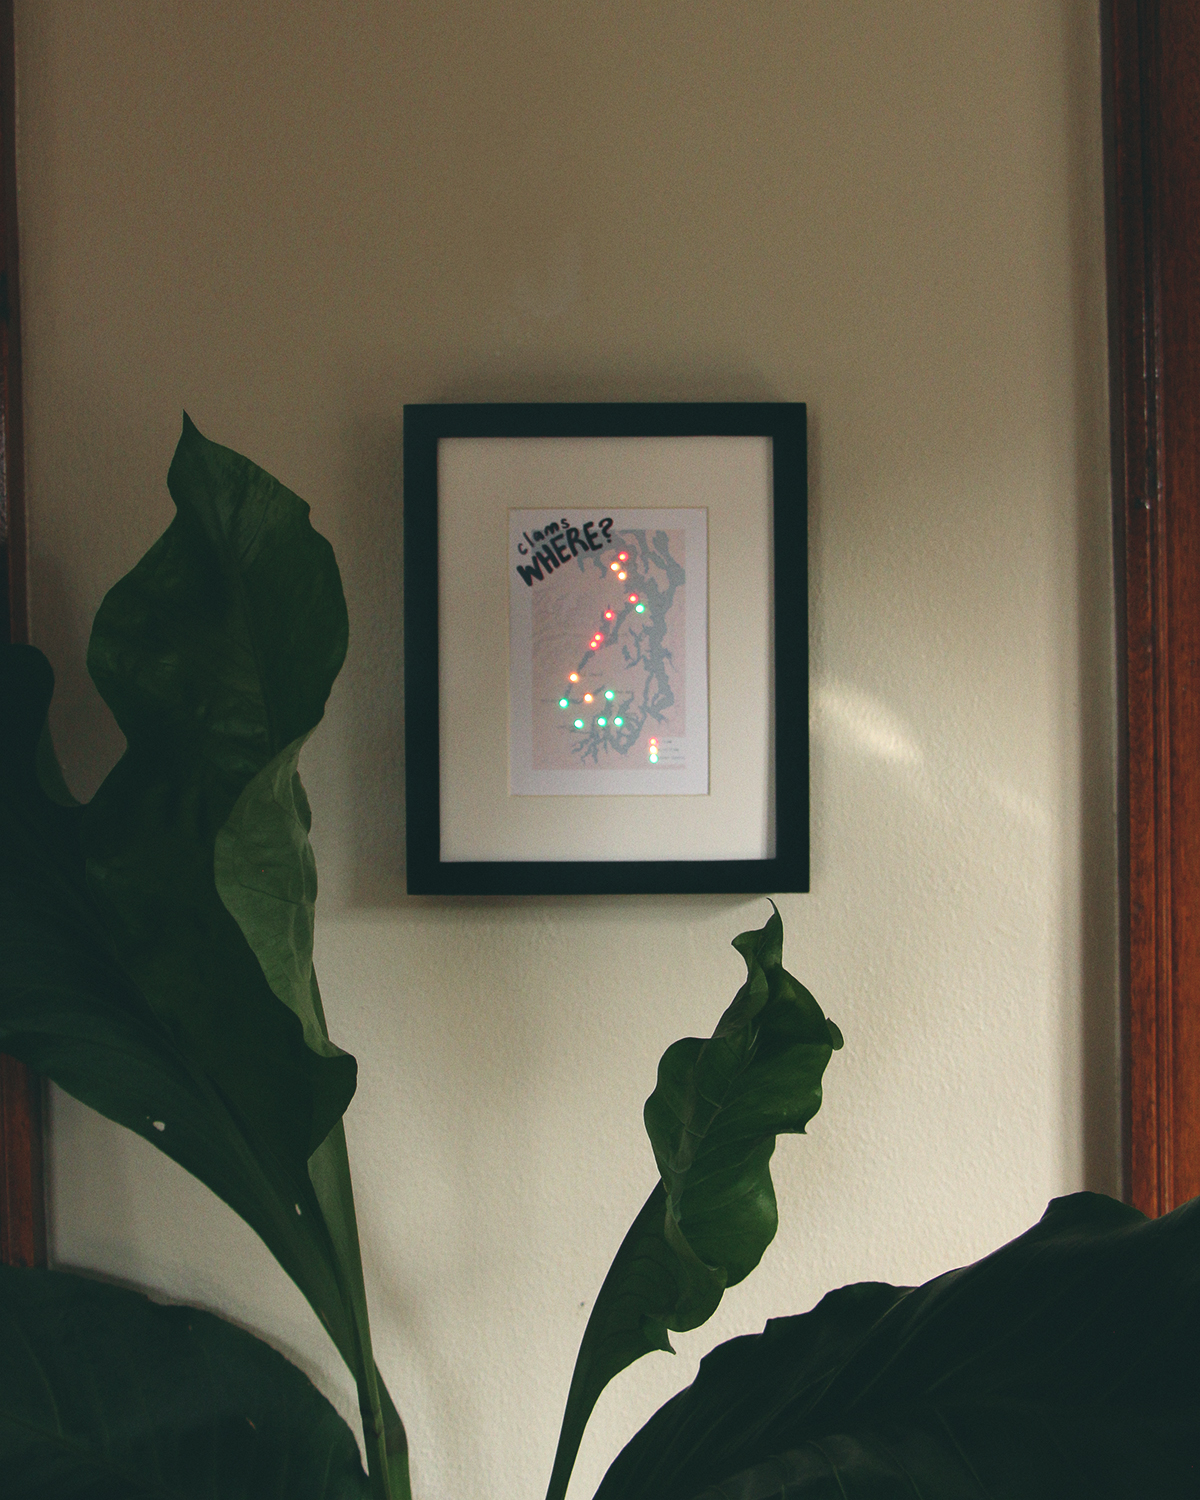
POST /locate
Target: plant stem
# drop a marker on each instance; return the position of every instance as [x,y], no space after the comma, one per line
[384,1438]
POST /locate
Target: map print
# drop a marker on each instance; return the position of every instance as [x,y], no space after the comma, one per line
[609,655]
[605,621]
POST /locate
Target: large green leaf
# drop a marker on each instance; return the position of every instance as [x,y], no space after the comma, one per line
[216,653]
[127,977]
[1065,1364]
[266,877]
[70,1009]
[712,1121]
[106,1396]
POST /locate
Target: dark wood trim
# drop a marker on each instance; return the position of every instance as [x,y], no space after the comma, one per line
[1154,143]
[22,1206]
[22,1199]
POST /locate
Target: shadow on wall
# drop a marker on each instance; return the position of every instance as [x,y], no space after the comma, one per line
[1099,938]
[86,737]
[371,558]
[113,470]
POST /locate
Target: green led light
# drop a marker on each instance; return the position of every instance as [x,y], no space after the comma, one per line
[563,702]
[639,609]
[578,723]
[610,695]
[602,721]
[618,722]
[654,760]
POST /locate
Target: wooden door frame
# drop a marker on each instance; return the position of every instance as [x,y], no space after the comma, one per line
[1151,78]
[22,1195]
[1152,71]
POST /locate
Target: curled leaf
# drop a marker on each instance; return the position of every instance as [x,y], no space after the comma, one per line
[712,1119]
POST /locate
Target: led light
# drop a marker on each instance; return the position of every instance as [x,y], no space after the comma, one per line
[622,576]
[610,695]
[578,723]
[564,702]
[609,614]
[602,721]
[639,609]
[574,677]
[622,556]
[587,697]
[595,645]
[633,598]
[618,721]
[615,567]
[654,758]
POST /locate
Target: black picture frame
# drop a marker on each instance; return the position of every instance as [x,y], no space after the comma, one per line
[784,424]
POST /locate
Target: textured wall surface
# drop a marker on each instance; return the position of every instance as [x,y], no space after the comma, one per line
[293,218]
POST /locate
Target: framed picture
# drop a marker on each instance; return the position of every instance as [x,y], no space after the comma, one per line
[606,648]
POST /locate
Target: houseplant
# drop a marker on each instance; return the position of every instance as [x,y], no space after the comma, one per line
[157,963]
[158,943]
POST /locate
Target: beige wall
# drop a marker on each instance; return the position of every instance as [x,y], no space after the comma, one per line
[291,218]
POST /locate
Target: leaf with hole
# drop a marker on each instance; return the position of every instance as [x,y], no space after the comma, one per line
[142,969]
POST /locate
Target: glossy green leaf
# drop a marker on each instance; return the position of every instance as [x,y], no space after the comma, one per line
[105,1395]
[216,654]
[127,977]
[267,879]
[70,1009]
[712,1121]
[1065,1364]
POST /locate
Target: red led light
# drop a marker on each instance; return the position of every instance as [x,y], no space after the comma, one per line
[609,614]
[633,598]
[595,646]
[622,556]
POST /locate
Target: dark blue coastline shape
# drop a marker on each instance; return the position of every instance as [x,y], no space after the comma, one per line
[784,423]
